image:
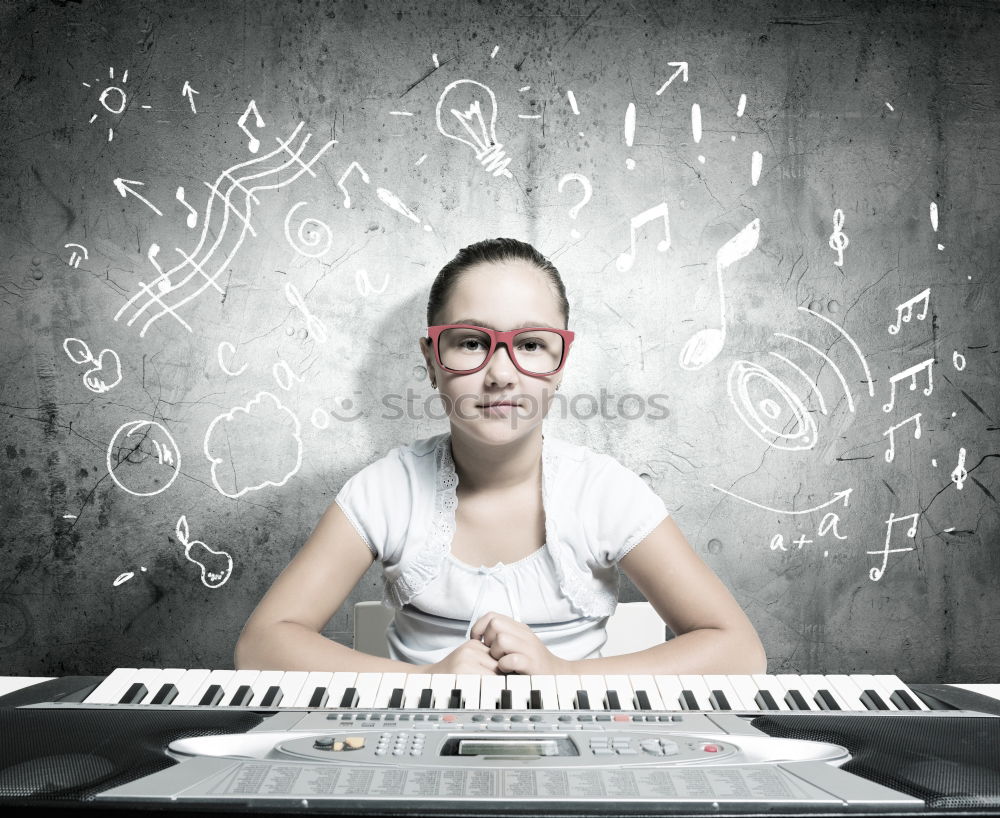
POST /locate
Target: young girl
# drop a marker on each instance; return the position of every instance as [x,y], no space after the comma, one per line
[500,545]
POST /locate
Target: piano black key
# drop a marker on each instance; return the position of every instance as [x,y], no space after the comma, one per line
[873,701]
[611,701]
[719,701]
[135,694]
[456,701]
[506,699]
[765,701]
[642,700]
[688,701]
[349,699]
[824,698]
[272,698]
[582,700]
[212,696]
[903,700]
[426,699]
[796,701]
[535,700]
[396,699]
[165,695]
[242,696]
[319,697]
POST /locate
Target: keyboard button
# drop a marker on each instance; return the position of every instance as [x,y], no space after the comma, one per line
[903,700]
[647,684]
[546,686]
[506,700]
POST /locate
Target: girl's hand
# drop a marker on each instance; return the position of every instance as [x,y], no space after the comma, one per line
[515,647]
[472,656]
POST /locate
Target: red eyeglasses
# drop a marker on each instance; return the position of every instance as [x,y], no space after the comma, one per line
[466,348]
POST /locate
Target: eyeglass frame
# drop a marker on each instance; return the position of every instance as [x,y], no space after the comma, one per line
[496,339]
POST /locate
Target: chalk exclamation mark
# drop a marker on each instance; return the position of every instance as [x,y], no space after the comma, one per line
[740,108]
[630,132]
[934,220]
[696,127]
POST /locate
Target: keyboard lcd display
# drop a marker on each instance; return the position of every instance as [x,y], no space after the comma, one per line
[507,747]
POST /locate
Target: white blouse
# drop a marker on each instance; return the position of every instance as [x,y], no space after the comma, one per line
[596,510]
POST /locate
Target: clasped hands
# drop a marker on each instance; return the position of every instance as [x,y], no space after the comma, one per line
[498,644]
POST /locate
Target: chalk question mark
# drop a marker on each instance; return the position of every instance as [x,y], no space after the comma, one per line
[588,191]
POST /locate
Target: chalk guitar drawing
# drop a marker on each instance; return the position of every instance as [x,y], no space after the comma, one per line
[705,345]
[313,238]
[143,458]
[106,372]
[875,574]
[216,566]
[230,199]
[890,453]
[588,191]
[904,311]
[473,117]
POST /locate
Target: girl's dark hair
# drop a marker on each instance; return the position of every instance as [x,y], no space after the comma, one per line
[491,250]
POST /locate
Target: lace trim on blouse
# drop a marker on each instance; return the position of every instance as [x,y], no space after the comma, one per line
[426,565]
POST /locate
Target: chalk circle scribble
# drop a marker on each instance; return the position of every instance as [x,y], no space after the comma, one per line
[769,416]
[313,238]
[143,458]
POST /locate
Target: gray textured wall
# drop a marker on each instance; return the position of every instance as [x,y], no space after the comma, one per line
[873,110]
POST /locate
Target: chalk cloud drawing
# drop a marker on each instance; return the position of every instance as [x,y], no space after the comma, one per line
[473,109]
[232,443]
[143,458]
[588,191]
[216,566]
[106,372]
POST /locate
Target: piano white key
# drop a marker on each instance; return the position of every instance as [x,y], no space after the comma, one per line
[189,685]
[315,679]
[670,690]
[215,677]
[111,689]
[621,685]
[168,676]
[264,681]
[415,684]
[814,683]
[768,682]
[469,683]
[442,684]
[520,689]
[566,686]
[237,680]
[367,686]
[746,691]
[596,689]
[892,683]
[696,684]
[338,684]
[720,682]
[847,690]
[546,685]
[489,692]
[645,681]
[388,683]
[866,681]
[145,676]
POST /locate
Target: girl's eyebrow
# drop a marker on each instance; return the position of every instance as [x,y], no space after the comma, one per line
[480,323]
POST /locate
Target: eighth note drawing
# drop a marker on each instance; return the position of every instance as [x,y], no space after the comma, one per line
[705,345]
[904,311]
[192,217]
[838,238]
[254,144]
[627,259]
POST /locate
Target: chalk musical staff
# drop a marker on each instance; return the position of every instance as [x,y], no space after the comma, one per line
[904,311]
[875,574]
[890,453]
[910,373]
[838,238]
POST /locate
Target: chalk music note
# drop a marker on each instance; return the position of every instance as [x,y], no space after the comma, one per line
[891,451]
[910,373]
[162,281]
[626,260]
[838,238]
[706,344]
[254,144]
[340,184]
[907,307]
[960,475]
[192,217]
[876,573]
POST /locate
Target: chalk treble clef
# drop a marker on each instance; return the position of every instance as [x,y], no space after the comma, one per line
[838,238]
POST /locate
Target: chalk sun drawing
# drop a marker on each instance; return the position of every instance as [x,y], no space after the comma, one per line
[140,455]
[216,566]
[263,417]
[113,99]
[473,108]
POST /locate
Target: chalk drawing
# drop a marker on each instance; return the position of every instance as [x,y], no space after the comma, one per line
[587,193]
[696,126]
[660,211]
[315,325]
[189,92]
[400,113]
[203,267]
[827,359]
[741,106]
[838,238]
[877,573]
[911,373]
[476,117]
[765,418]
[123,188]
[364,285]
[75,257]
[420,161]
[229,350]
[434,58]
[284,376]
[263,414]
[216,566]
[934,221]
[125,576]
[496,48]
[889,106]
[572,102]
[630,132]
[391,200]
[828,524]
[254,144]
[854,346]
[904,311]
[320,418]
[813,385]
[313,238]
[756,163]
[113,99]
[958,360]
[529,116]
[148,445]
[192,216]
[705,345]
[960,475]
[682,72]
[340,184]
[105,364]
[890,453]
[842,495]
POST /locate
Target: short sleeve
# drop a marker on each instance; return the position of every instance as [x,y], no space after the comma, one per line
[628,511]
[375,502]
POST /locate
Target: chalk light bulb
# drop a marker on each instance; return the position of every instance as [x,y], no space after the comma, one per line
[471,116]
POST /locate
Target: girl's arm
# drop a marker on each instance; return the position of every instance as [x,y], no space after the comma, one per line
[283,632]
[712,634]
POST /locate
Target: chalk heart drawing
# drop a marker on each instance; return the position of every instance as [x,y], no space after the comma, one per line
[143,458]
[233,446]
[106,373]
[216,566]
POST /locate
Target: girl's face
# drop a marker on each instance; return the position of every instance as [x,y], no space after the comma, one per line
[502,296]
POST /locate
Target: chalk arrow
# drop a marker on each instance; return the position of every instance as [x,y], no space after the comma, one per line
[682,68]
[189,92]
[844,495]
[124,190]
